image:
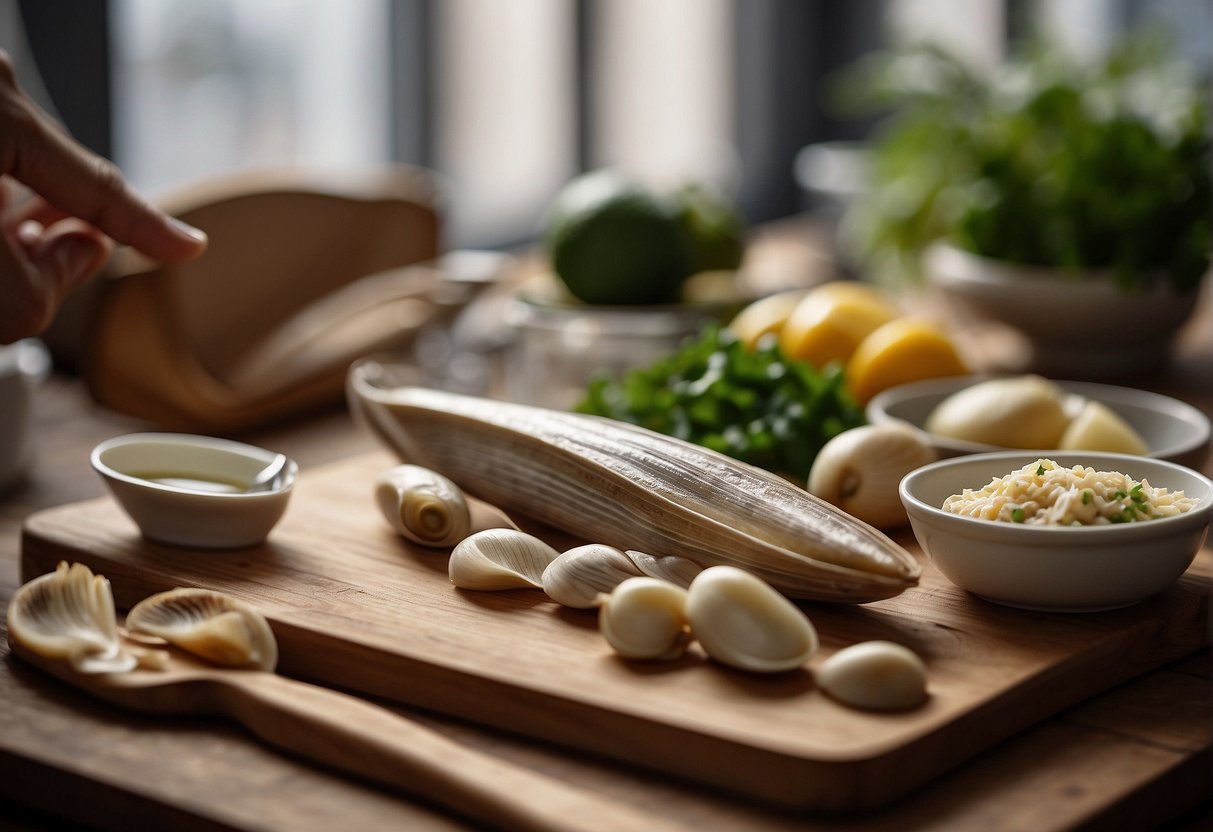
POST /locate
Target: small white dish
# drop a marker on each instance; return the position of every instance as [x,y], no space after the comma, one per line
[192,491]
[1056,568]
[1173,430]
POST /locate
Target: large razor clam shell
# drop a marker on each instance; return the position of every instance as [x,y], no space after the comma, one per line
[614,483]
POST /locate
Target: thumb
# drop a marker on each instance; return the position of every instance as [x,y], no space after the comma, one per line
[68,257]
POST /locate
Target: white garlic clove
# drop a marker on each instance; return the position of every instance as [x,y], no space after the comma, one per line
[214,626]
[423,506]
[670,568]
[500,559]
[580,575]
[875,675]
[743,622]
[69,614]
[860,470]
[644,618]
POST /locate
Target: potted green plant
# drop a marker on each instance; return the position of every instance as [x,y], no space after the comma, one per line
[1069,200]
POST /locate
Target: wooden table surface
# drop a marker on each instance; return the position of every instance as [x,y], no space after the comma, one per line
[1139,756]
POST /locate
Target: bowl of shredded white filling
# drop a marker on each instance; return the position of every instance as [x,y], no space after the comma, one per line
[1069,532]
[1043,493]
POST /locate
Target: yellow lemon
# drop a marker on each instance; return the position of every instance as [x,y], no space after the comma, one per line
[898,352]
[764,316]
[831,321]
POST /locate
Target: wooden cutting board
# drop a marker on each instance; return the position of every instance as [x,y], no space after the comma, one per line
[354,606]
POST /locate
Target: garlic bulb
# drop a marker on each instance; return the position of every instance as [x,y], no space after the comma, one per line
[743,622]
[877,675]
[859,471]
[69,614]
[500,559]
[644,618]
[217,627]
[580,575]
[423,505]
[670,568]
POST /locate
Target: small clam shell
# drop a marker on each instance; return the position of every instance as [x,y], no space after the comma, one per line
[69,614]
[580,575]
[743,622]
[214,626]
[644,618]
[423,506]
[670,568]
[877,675]
[500,559]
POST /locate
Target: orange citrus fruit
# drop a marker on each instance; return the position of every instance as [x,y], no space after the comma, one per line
[764,316]
[898,352]
[831,321]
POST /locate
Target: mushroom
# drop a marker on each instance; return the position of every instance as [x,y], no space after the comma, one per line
[859,471]
[69,614]
[214,626]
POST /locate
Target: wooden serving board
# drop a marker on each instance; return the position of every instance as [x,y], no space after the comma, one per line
[355,606]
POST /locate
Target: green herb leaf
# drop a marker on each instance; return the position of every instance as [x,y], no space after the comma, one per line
[1075,165]
[754,405]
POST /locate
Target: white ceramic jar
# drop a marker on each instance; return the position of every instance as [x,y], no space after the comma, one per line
[24,366]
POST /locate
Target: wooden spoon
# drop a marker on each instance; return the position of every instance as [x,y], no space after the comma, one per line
[359,738]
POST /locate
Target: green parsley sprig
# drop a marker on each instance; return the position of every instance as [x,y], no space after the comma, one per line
[753,405]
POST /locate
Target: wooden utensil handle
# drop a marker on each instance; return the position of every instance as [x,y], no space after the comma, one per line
[360,738]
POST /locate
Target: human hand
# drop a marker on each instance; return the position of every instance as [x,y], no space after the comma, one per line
[79,205]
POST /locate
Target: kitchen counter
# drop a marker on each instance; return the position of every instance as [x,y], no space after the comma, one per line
[1138,756]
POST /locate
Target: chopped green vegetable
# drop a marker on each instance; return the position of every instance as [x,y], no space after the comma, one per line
[1017,515]
[754,405]
[1087,497]
[1040,470]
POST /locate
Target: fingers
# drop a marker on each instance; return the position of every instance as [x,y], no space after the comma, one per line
[37,271]
[69,253]
[79,183]
[35,209]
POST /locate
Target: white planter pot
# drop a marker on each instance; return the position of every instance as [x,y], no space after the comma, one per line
[1079,325]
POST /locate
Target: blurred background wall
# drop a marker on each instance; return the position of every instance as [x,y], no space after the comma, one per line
[507,99]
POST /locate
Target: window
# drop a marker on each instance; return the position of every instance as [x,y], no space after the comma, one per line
[507,99]
[203,88]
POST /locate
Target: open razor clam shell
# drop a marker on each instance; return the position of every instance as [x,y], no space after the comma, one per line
[69,615]
[216,627]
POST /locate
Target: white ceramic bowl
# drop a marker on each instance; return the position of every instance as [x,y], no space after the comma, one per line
[188,490]
[1079,325]
[1065,569]
[1173,430]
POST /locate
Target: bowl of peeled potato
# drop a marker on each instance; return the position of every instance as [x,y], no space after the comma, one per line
[979,414]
